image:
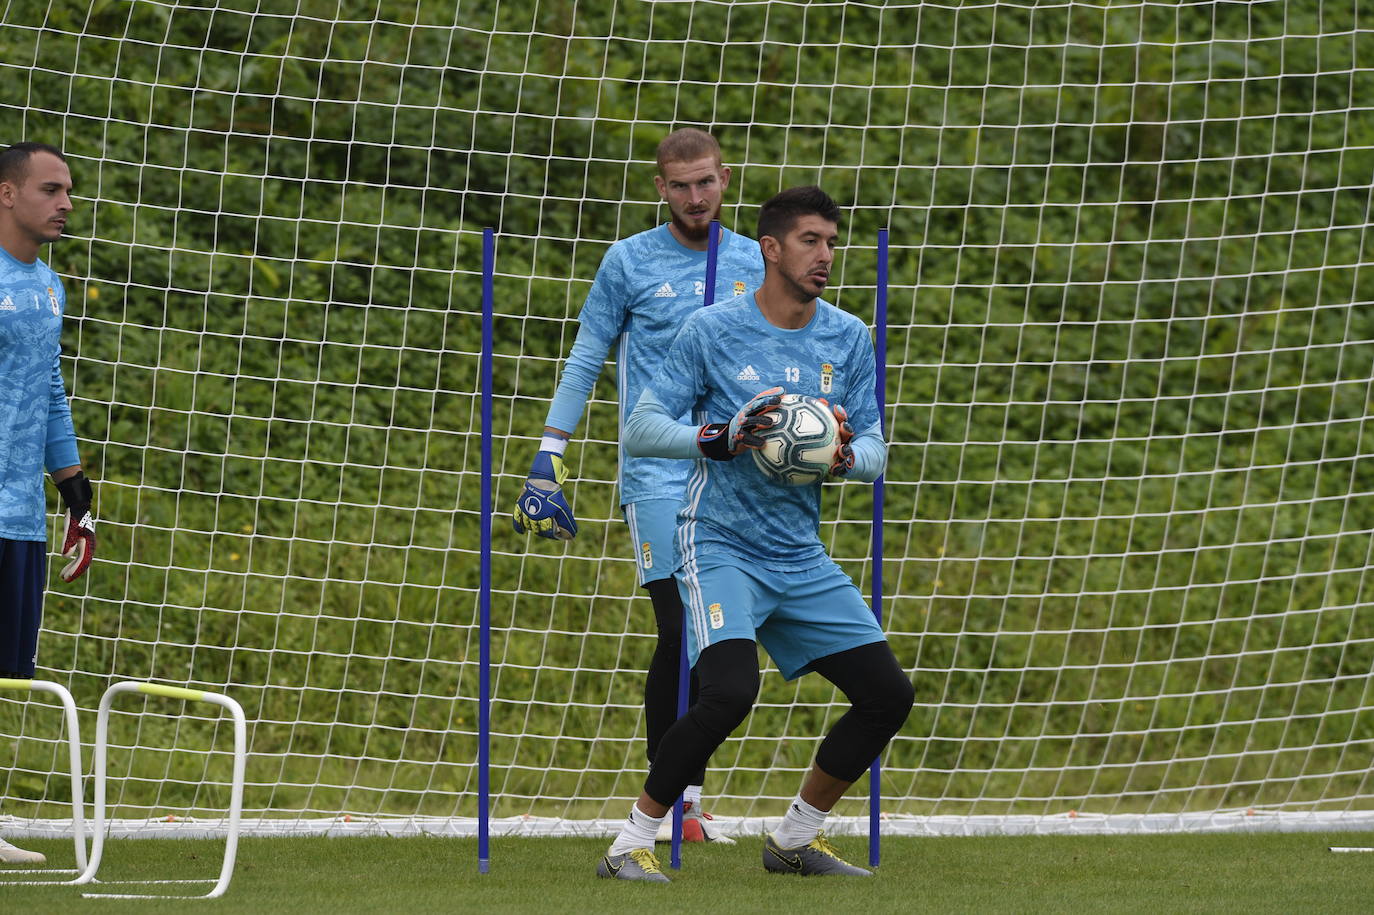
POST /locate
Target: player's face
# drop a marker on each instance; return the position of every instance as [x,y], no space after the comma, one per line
[804,257]
[693,191]
[41,200]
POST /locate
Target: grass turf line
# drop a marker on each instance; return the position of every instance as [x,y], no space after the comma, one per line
[1254,873]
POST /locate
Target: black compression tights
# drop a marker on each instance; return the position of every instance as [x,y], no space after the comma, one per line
[660,684]
[881,697]
[879,692]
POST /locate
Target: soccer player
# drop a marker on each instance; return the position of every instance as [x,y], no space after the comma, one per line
[35,421]
[646,286]
[753,567]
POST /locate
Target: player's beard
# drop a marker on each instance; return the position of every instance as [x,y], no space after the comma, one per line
[800,284]
[692,232]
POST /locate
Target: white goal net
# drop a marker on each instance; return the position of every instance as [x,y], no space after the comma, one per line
[1129,508]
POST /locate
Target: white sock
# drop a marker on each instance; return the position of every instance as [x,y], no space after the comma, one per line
[692,795]
[800,825]
[639,831]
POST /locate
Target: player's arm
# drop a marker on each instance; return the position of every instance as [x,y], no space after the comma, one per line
[542,508]
[653,431]
[64,466]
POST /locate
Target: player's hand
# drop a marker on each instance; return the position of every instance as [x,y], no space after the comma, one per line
[80,541]
[542,507]
[722,441]
[844,454]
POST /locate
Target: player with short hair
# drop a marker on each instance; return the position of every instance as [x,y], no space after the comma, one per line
[35,421]
[753,566]
[645,288]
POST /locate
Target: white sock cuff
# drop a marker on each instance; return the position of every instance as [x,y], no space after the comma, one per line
[692,794]
[639,831]
[553,443]
[809,811]
[643,820]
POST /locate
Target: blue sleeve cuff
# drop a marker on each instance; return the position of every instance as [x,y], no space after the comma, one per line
[870,455]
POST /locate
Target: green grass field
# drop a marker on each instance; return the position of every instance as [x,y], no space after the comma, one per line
[1262,872]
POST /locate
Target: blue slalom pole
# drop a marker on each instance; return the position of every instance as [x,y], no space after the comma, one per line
[484,598]
[684,672]
[875,788]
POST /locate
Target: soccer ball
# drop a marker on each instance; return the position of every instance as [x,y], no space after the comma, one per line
[800,446]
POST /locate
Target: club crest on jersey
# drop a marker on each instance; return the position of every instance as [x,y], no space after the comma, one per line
[647,553]
[827,377]
[717,616]
[52,300]
[739,287]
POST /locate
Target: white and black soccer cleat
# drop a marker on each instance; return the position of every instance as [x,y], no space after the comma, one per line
[818,858]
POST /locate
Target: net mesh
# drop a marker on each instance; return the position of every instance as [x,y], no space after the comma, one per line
[1128,511]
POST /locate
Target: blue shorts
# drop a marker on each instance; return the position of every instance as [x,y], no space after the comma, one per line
[23,568]
[798,617]
[653,525]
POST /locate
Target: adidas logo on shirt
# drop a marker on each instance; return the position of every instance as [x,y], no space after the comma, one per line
[7,304]
[748,374]
[665,292]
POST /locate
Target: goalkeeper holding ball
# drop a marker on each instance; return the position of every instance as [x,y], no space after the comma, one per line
[753,567]
[645,288]
[35,420]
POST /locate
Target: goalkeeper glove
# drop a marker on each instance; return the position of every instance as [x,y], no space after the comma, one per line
[542,507]
[844,454]
[722,441]
[80,542]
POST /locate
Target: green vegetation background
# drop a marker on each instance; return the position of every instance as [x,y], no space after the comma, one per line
[1127,515]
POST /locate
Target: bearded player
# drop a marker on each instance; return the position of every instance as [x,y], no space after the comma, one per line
[754,570]
[647,285]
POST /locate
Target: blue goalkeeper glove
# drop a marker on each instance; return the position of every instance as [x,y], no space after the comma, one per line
[722,441]
[542,507]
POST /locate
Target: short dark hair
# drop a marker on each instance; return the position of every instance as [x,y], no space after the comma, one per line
[781,211]
[686,145]
[14,161]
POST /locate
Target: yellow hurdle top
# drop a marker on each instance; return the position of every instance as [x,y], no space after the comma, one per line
[171,692]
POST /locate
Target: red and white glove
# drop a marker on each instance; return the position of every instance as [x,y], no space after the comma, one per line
[80,541]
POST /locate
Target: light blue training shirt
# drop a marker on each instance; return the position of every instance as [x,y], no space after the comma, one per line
[646,287]
[722,358]
[35,420]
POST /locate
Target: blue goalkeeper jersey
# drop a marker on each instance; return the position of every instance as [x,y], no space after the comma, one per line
[35,420]
[722,358]
[646,287]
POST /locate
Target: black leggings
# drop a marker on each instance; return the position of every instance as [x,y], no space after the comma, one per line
[660,683]
[880,694]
